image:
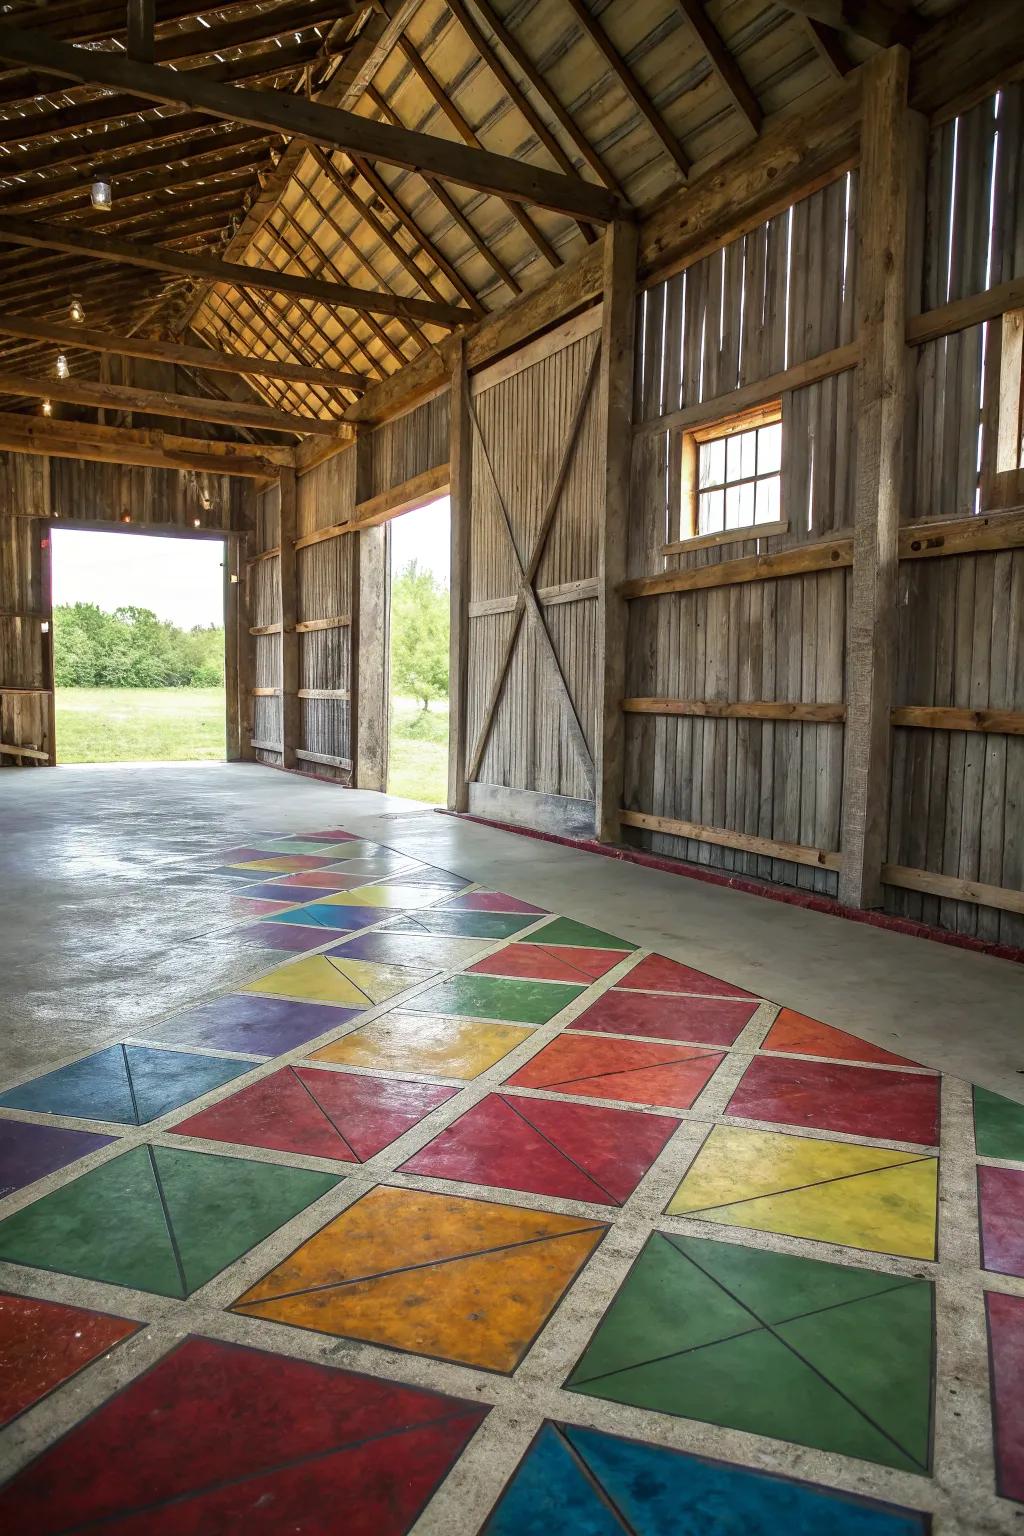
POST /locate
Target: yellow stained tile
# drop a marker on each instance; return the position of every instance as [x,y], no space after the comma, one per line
[735,1164]
[378,980]
[482,1311]
[284,864]
[393,1229]
[427,1043]
[389,893]
[313,978]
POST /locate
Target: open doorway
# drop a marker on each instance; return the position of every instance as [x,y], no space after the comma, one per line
[138,647]
[420,626]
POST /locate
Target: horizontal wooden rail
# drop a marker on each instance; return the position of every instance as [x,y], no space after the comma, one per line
[824,366]
[743,709]
[335,531]
[266,746]
[415,492]
[323,758]
[996,722]
[324,693]
[962,536]
[30,692]
[265,629]
[951,888]
[745,842]
[961,314]
[264,693]
[11,751]
[798,561]
[548,597]
[265,554]
[309,626]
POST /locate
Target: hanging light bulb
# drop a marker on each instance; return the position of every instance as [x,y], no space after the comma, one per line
[47,408]
[100,196]
[63,371]
[76,309]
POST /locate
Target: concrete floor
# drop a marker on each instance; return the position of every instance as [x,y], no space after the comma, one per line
[104,925]
[116,913]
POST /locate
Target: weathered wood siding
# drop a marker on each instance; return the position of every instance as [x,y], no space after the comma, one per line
[409,444]
[324,582]
[263,600]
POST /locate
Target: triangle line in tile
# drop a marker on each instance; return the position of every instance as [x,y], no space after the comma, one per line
[167,1222]
[131,1085]
[403,1269]
[792,1189]
[336,966]
[329,1118]
[772,1329]
[309,1459]
[644,1066]
[548,950]
[600,1492]
[560,1150]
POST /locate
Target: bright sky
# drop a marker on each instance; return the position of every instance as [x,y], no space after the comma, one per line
[423,536]
[179,579]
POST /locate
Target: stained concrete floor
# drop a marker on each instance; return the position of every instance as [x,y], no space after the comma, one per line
[552,1314]
[104,924]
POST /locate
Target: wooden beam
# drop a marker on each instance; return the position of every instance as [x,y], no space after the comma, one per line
[158,402]
[962,536]
[331,127]
[370,638]
[36,329]
[290,712]
[150,448]
[873,20]
[418,491]
[744,709]
[952,888]
[81,242]
[723,837]
[141,24]
[615,421]
[960,314]
[460,466]
[892,159]
[824,366]
[723,63]
[830,555]
[993,722]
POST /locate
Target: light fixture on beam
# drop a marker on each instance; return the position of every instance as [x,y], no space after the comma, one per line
[47,408]
[76,309]
[63,371]
[101,196]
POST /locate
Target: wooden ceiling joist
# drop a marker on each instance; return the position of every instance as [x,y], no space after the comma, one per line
[158,402]
[79,242]
[126,445]
[331,127]
[171,352]
[722,62]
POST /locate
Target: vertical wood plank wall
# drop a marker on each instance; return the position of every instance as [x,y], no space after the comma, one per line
[35,491]
[263,590]
[326,497]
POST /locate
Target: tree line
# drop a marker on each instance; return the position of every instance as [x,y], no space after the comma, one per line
[132,648]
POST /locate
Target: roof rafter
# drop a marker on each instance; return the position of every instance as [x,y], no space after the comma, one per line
[722,62]
[329,126]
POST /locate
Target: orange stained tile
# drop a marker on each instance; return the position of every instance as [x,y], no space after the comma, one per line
[427,1043]
[481,1310]
[391,1229]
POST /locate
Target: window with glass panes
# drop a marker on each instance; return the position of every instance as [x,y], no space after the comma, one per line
[735,473]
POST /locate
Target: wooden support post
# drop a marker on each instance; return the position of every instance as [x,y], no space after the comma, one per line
[615,404]
[370,631]
[46,606]
[460,456]
[290,709]
[245,650]
[141,21]
[232,735]
[892,145]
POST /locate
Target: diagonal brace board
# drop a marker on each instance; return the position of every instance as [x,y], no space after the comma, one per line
[331,127]
[526,598]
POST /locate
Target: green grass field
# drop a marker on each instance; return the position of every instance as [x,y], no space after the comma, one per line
[125,725]
[418,760]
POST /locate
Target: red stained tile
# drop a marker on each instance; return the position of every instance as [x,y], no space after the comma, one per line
[248,906]
[804,1036]
[704,1020]
[659,974]
[43,1344]
[1001,1196]
[334,835]
[491,901]
[830,1096]
[221,1438]
[317,1113]
[639,1072]
[1006,1335]
[321,880]
[555,962]
[569,1151]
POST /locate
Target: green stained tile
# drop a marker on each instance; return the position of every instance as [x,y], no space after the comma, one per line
[779,1285]
[666,1305]
[998,1126]
[565,931]
[107,1225]
[496,997]
[754,1383]
[892,1387]
[471,925]
[220,1207]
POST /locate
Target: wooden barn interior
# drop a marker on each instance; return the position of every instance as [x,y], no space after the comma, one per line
[708,315]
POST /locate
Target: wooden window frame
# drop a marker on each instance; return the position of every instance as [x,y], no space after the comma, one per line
[683,486]
[1002,478]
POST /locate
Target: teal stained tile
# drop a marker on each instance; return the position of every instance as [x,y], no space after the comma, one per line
[126,1084]
[998,1126]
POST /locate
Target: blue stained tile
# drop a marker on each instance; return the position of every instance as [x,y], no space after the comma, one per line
[322,915]
[125,1084]
[579,1478]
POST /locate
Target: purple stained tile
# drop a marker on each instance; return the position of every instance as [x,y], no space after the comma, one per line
[258,1026]
[29,1152]
[293,936]
[1001,1194]
[243,855]
[271,892]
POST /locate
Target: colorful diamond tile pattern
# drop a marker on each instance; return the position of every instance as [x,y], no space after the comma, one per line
[408,1141]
